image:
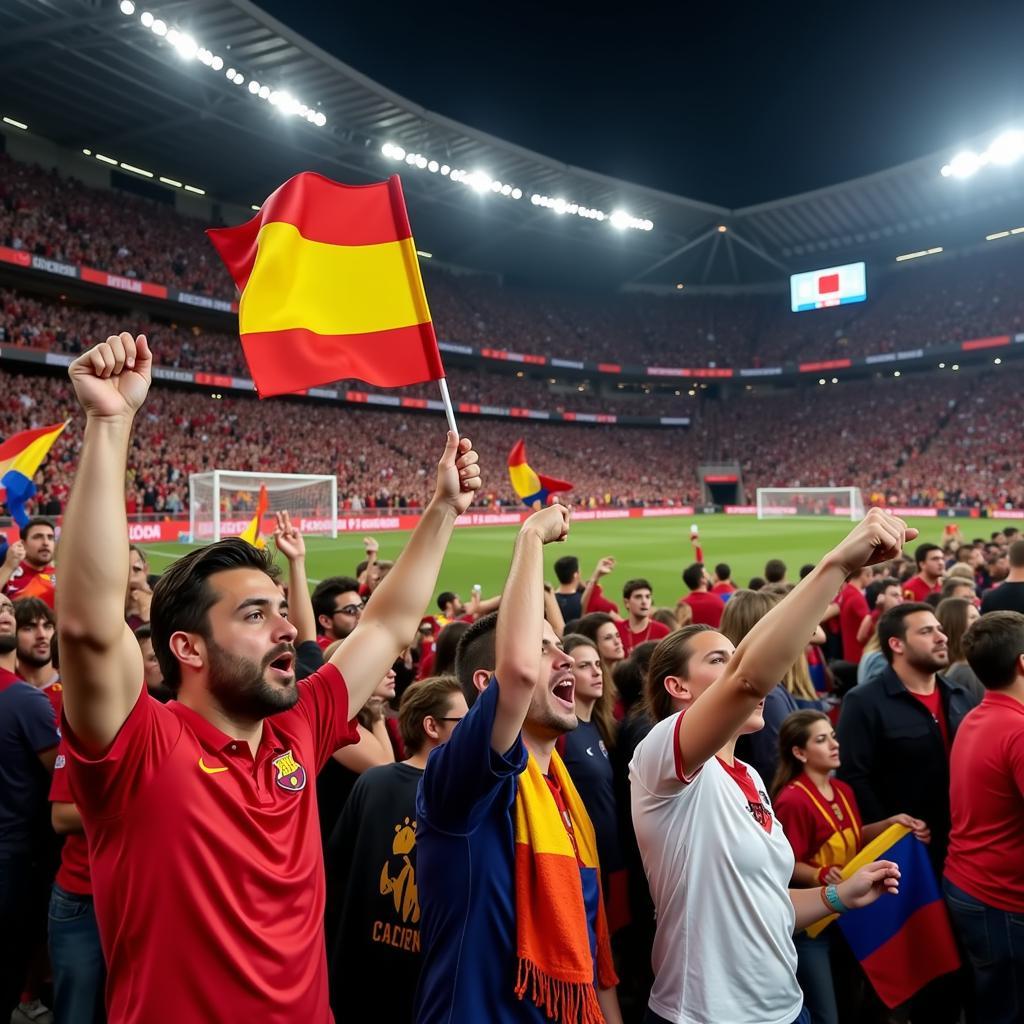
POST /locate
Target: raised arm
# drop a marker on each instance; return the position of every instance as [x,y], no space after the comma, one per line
[603,567]
[520,640]
[396,607]
[101,663]
[290,543]
[770,649]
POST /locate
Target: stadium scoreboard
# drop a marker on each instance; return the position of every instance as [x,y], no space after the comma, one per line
[833,286]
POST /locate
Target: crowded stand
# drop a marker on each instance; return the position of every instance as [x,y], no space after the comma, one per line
[955,300]
[233,791]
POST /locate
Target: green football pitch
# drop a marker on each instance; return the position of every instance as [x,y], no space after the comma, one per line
[657,549]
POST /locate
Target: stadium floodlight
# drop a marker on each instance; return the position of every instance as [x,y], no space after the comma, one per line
[136,170]
[1006,148]
[16,124]
[433,166]
[198,191]
[918,254]
[146,18]
[254,86]
[264,92]
[217,63]
[159,27]
[171,181]
[127,7]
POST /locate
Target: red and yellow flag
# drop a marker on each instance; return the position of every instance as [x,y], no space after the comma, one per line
[251,534]
[331,288]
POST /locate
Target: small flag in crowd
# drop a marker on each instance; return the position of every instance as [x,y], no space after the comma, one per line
[902,941]
[330,288]
[251,533]
[20,458]
[528,484]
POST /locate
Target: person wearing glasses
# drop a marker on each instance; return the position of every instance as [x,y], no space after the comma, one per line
[373,849]
[337,606]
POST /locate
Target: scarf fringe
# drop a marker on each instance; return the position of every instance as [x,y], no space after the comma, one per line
[564,1001]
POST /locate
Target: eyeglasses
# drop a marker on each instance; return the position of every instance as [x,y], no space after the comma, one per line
[348,609]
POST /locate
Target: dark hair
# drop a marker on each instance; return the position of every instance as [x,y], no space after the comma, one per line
[671,658]
[28,610]
[794,731]
[362,566]
[1010,531]
[445,597]
[33,523]
[693,575]
[806,570]
[638,584]
[933,599]
[756,583]
[952,615]
[922,551]
[446,645]
[427,697]
[993,646]
[591,623]
[1017,554]
[952,583]
[182,597]
[144,632]
[476,651]
[893,624]
[325,593]
[604,708]
[876,588]
[566,567]
[774,570]
[723,571]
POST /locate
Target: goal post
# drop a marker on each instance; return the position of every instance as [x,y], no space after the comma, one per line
[837,502]
[222,502]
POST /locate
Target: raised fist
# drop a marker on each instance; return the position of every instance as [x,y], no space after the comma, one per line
[112,378]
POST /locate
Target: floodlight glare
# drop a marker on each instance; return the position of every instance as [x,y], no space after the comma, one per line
[217,63]
[127,7]
[254,87]
[433,166]
[230,74]
[239,78]
[620,219]
[964,164]
[147,19]
[445,170]
[159,28]
[264,92]
[1006,148]
[321,119]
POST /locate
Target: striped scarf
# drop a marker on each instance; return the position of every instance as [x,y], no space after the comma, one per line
[552,936]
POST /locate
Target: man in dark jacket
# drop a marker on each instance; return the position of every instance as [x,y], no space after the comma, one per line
[895,733]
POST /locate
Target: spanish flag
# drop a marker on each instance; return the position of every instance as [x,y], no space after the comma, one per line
[330,288]
[20,458]
[530,485]
[251,534]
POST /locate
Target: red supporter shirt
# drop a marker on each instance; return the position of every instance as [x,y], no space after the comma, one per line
[723,588]
[652,631]
[916,589]
[27,581]
[599,603]
[707,608]
[853,609]
[73,873]
[933,702]
[202,853]
[822,832]
[986,796]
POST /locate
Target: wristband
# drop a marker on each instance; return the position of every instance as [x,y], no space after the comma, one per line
[822,872]
[831,897]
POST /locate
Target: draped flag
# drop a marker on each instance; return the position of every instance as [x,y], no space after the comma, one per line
[251,534]
[20,458]
[528,484]
[331,288]
[903,941]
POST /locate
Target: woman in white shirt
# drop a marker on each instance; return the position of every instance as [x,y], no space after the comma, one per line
[716,859]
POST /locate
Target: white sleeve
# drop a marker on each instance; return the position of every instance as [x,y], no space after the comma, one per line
[657,764]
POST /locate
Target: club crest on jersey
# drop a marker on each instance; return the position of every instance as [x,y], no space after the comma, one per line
[290,774]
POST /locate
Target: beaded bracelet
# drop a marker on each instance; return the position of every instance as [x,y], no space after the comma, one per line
[830,894]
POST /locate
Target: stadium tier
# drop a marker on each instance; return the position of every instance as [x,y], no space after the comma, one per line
[126,241]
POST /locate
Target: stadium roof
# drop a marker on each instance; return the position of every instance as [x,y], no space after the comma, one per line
[84,74]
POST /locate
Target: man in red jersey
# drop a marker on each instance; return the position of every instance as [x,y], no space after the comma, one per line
[34,575]
[724,585]
[638,627]
[201,813]
[707,607]
[855,622]
[931,567]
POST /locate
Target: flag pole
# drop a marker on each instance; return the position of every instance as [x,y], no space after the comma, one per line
[448,410]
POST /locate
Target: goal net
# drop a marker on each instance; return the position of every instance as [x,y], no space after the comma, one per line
[222,503]
[839,502]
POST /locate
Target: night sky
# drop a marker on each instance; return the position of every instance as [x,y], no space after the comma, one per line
[732,103]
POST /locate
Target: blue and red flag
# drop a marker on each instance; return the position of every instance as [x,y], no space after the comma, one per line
[20,457]
[528,484]
[902,941]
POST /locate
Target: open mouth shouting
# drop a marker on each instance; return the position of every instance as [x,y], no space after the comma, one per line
[564,691]
[283,666]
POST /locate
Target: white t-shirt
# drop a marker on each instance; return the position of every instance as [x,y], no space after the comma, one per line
[723,951]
